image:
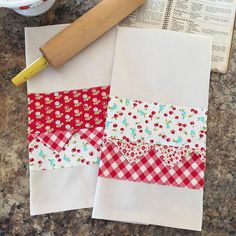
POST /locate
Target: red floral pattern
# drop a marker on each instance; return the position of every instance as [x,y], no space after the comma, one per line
[72,110]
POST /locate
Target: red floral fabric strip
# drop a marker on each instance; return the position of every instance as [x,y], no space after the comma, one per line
[65,111]
[154,167]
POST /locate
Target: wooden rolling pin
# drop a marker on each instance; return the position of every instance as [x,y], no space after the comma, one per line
[79,35]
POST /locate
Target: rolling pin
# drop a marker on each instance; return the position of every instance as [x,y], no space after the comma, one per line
[79,35]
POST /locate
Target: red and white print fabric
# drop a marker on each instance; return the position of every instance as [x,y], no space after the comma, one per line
[67,110]
[62,122]
[154,168]
[154,143]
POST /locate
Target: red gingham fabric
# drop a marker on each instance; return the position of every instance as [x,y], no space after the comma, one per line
[56,141]
[151,169]
[93,136]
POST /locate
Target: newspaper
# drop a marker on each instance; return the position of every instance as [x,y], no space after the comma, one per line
[214,18]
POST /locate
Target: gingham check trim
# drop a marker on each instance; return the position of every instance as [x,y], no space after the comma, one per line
[151,169]
[93,136]
[57,140]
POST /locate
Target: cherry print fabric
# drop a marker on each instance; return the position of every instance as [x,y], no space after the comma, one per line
[77,152]
[157,123]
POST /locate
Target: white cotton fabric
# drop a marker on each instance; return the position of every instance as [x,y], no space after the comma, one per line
[153,65]
[72,187]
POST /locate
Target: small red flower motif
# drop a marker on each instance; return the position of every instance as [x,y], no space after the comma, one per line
[115,125]
[39,162]
[31,159]
[189,140]
[170,112]
[176,117]
[73,149]
[172,131]
[91,153]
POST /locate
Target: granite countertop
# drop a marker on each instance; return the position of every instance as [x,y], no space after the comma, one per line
[220,188]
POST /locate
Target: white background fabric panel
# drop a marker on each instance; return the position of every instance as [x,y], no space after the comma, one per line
[154,65]
[62,189]
[90,68]
[148,203]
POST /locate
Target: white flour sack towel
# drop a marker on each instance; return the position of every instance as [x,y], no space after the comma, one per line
[67,109]
[154,152]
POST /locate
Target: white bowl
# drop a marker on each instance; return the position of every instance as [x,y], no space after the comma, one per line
[28,7]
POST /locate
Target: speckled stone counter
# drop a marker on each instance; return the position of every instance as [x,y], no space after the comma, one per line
[220,189]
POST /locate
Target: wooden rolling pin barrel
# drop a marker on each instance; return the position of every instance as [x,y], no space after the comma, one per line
[80,34]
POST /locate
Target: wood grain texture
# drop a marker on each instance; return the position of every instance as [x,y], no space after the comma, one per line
[87,29]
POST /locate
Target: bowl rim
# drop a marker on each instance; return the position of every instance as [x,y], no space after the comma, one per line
[17,3]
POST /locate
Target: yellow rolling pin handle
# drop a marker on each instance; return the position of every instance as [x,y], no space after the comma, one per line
[30,71]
